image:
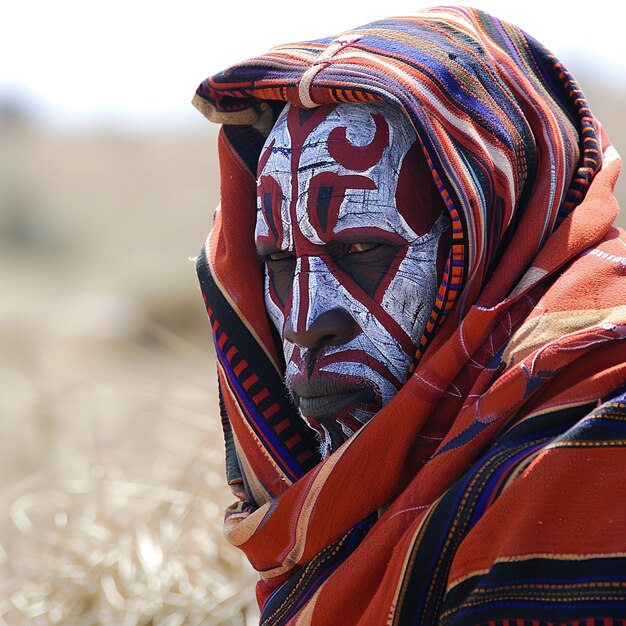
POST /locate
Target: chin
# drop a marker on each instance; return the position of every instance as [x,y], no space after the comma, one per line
[335,431]
[338,399]
[331,437]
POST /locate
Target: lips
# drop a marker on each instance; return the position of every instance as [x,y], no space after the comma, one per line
[324,398]
[324,407]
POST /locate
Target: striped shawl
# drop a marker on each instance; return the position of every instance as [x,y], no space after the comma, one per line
[491,488]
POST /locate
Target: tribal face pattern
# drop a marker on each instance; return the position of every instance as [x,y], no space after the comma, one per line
[349,224]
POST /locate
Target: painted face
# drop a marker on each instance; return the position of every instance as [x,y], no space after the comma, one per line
[349,224]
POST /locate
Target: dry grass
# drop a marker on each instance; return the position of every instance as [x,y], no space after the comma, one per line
[121,521]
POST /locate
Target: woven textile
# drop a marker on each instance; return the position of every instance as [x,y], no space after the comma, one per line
[490,488]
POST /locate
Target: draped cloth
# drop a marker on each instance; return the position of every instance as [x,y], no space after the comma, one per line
[490,489]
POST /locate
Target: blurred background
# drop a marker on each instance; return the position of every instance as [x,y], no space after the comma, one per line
[111,479]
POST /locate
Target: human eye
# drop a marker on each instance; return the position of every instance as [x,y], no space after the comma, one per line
[356,248]
[281,265]
[367,262]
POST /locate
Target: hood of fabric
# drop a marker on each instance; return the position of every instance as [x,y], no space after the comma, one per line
[509,137]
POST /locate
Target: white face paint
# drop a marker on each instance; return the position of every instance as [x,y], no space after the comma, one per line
[349,224]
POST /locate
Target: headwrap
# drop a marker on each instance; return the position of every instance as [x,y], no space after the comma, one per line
[490,488]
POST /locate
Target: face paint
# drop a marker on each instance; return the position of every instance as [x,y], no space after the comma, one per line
[349,224]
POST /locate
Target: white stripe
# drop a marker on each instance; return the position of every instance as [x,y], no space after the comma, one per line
[304,86]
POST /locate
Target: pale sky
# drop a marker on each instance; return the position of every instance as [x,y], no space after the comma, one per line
[138,62]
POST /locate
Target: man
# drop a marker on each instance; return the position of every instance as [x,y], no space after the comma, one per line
[432,274]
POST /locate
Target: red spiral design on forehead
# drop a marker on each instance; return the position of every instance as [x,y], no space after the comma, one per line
[359,158]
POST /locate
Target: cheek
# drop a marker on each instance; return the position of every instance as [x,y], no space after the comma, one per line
[412,291]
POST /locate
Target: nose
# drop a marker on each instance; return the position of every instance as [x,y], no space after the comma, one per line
[331,328]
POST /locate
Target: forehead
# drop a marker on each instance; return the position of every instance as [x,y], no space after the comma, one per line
[344,138]
[336,169]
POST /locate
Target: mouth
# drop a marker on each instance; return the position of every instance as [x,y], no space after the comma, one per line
[327,407]
[328,398]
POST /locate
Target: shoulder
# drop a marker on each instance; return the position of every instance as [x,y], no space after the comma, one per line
[551,542]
